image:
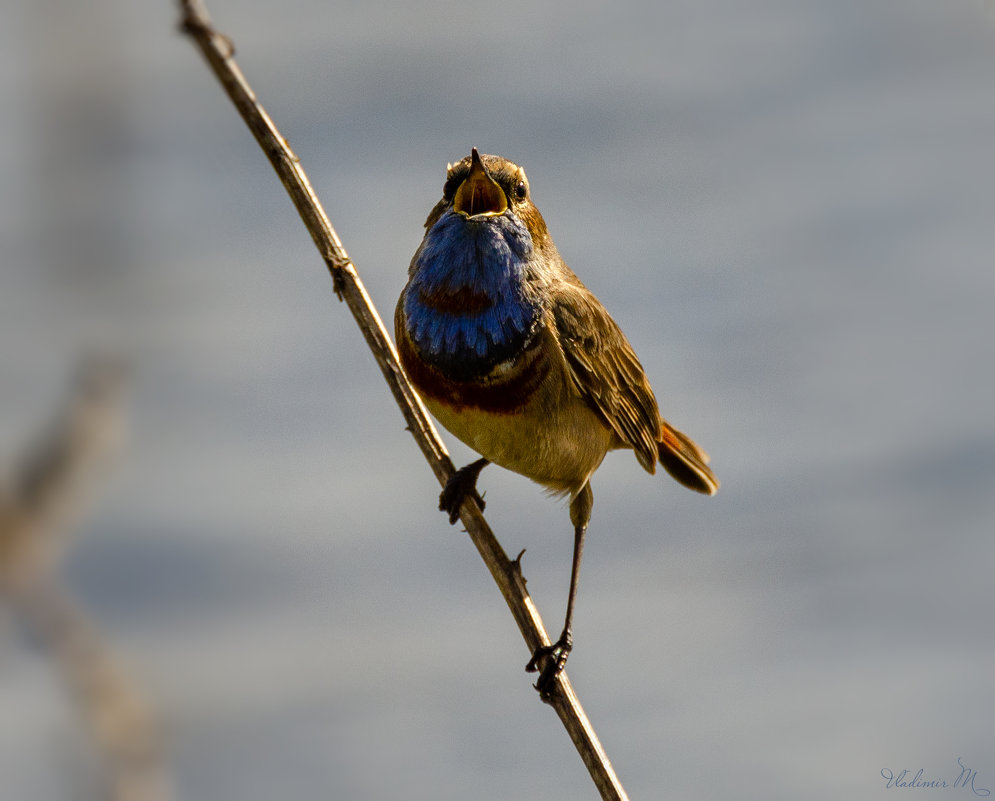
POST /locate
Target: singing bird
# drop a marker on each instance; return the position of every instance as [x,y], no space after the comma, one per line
[518,359]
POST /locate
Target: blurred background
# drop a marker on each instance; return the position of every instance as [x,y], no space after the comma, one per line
[788,206]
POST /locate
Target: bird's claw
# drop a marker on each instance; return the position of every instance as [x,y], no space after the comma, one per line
[461,486]
[555,657]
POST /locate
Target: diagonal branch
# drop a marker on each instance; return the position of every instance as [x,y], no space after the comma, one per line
[219,51]
[52,485]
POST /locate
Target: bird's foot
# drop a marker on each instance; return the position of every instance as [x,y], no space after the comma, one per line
[555,657]
[461,486]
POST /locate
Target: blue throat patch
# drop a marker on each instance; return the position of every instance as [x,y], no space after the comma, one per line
[468,303]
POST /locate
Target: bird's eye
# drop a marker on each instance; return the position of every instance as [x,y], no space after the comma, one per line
[520,190]
[449,188]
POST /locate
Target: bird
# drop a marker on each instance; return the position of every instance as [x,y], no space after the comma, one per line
[519,360]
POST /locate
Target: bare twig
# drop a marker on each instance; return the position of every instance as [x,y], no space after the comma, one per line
[218,51]
[47,494]
[118,719]
[54,480]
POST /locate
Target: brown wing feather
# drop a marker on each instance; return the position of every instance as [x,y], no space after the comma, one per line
[606,372]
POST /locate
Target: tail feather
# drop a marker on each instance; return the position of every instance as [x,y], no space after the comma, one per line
[686,462]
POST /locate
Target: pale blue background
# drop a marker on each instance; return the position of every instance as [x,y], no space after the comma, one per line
[789,207]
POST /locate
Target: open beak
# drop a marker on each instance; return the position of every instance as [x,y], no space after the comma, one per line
[479,195]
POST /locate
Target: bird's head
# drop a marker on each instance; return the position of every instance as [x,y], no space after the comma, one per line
[481,188]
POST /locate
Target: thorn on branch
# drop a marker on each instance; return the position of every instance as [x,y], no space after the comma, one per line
[516,566]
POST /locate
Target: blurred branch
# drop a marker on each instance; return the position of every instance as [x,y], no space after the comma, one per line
[218,50]
[50,487]
[46,496]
